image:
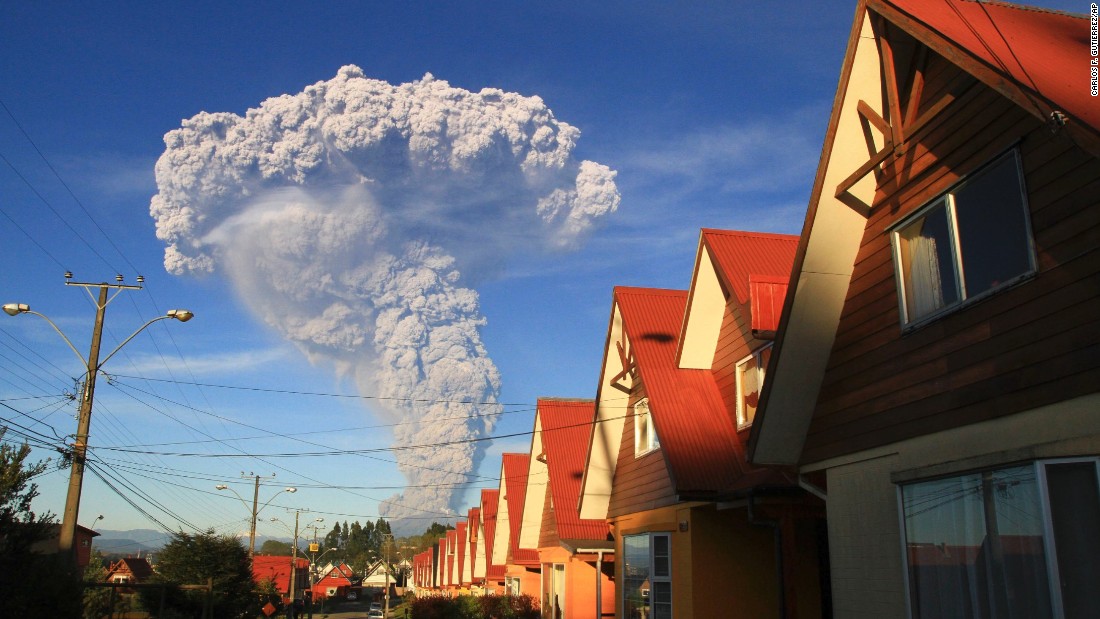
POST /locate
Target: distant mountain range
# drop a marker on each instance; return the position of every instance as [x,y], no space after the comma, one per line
[145,541]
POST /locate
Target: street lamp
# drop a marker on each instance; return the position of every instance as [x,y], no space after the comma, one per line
[255,510]
[93,364]
[294,554]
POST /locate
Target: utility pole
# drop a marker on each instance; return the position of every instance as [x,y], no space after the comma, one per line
[294,560]
[252,529]
[80,445]
[65,545]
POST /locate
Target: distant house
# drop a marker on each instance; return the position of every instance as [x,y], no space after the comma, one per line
[279,571]
[473,574]
[520,564]
[576,555]
[333,580]
[131,570]
[82,544]
[699,532]
[493,573]
[936,371]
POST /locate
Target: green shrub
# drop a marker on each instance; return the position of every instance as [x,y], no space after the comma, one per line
[475,607]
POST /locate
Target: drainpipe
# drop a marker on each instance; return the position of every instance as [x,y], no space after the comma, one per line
[778,544]
[599,584]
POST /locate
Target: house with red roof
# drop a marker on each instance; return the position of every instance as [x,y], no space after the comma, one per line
[698,531]
[129,570]
[279,571]
[491,574]
[520,564]
[473,574]
[334,581]
[576,555]
[936,367]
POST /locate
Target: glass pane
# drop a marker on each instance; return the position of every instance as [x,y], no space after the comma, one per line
[1075,515]
[927,266]
[975,547]
[992,227]
[636,584]
[748,390]
[662,600]
[660,556]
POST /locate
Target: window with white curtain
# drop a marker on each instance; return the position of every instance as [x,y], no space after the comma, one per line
[645,435]
[750,380]
[969,242]
[1021,542]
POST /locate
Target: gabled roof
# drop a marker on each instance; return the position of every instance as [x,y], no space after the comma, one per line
[1020,52]
[490,500]
[565,433]
[277,569]
[562,428]
[750,267]
[515,480]
[740,255]
[698,439]
[461,550]
[1033,47]
[138,567]
[476,562]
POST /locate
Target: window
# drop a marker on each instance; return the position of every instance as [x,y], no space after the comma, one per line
[750,379]
[645,435]
[1019,542]
[971,241]
[647,576]
[553,590]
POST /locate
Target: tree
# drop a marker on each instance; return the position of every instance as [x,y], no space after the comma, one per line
[195,559]
[56,590]
[276,548]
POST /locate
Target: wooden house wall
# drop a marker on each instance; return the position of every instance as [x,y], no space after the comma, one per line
[639,483]
[735,342]
[548,531]
[1030,345]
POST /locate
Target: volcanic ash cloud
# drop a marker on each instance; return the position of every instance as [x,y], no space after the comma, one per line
[354,217]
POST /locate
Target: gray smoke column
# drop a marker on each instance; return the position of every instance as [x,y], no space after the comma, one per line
[355,218]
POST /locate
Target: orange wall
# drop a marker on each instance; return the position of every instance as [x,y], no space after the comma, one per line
[580,583]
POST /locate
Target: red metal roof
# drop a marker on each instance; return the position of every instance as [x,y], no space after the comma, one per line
[452,544]
[566,428]
[473,520]
[277,569]
[1039,49]
[697,436]
[740,255]
[515,479]
[490,500]
[461,545]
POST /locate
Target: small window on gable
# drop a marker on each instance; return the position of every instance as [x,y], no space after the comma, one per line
[971,241]
[750,379]
[645,436]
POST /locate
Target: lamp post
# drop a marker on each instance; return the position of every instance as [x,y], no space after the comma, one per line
[255,510]
[387,545]
[294,554]
[92,365]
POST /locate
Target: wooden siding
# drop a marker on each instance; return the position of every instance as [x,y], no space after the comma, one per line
[640,483]
[548,531]
[734,344]
[1029,345]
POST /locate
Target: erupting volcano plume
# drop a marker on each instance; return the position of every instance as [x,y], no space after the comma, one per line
[355,218]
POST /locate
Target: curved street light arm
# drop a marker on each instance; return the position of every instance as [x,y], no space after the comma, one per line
[83,361]
[239,497]
[132,336]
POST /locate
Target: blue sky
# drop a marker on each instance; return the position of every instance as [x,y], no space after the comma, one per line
[711,113]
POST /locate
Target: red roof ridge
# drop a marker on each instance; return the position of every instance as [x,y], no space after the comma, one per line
[749,233]
[650,291]
[1026,7]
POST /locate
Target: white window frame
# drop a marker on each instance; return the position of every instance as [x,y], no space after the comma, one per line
[1049,547]
[946,201]
[643,415]
[761,368]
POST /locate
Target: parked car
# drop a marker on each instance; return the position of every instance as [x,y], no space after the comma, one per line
[376,605]
[352,595]
[375,613]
